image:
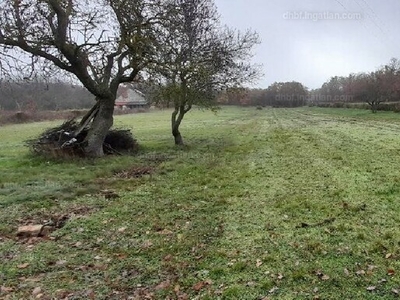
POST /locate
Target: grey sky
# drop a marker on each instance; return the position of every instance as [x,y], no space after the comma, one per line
[311,51]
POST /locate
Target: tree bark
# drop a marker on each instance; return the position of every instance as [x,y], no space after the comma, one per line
[177,117]
[91,114]
[99,128]
[177,137]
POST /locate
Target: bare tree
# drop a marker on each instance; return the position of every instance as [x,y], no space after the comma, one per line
[199,58]
[380,86]
[102,43]
[367,88]
[374,88]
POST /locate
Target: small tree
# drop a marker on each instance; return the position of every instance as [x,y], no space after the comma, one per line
[367,88]
[102,43]
[379,86]
[198,58]
[376,87]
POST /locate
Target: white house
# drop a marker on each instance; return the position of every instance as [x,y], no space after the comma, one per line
[128,97]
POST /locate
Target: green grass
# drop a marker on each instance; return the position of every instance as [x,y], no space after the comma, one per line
[278,203]
[356,113]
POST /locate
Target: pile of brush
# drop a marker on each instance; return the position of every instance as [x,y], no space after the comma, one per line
[68,140]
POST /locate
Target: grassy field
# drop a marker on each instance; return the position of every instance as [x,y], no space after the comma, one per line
[269,204]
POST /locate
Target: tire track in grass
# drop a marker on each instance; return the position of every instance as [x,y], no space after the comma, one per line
[295,178]
[383,124]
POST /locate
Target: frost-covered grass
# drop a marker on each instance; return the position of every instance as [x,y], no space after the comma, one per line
[271,204]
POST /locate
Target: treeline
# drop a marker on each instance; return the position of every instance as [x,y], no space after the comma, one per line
[279,94]
[377,90]
[41,95]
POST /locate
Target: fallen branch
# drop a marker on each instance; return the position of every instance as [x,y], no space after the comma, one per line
[324,222]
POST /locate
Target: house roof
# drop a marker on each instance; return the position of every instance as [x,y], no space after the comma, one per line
[128,95]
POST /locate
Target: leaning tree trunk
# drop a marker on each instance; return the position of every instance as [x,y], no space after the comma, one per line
[177,117]
[102,122]
[177,136]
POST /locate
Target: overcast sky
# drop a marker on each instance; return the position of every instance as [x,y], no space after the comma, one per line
[311,40]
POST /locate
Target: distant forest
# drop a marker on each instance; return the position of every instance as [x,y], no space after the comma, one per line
[377,90]
[24,96]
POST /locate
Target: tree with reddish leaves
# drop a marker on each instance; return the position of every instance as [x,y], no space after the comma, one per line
[380,86]
[367,88]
